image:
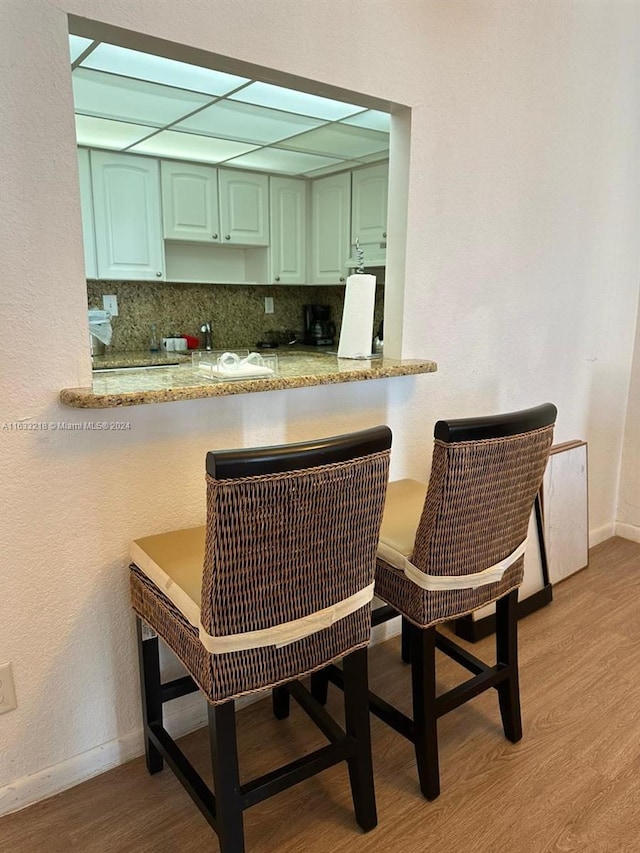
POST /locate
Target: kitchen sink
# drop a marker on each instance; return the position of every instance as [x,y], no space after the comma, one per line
[137,367]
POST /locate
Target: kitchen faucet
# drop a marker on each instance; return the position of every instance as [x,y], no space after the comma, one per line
[206,329]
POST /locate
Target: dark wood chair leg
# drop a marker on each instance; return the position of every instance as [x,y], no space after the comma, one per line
[357,723]
[507,655]
[423,680]
[405,648]
[226,777]
[150,684]
[320,686]
[280,702]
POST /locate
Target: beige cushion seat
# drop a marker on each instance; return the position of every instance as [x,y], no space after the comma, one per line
[402,513]
[403,510]
[173,562]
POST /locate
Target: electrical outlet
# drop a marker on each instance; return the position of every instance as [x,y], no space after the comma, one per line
[268,305]
[7,689]
[110,304]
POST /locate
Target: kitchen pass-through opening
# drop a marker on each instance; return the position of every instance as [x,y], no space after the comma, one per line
[135,94]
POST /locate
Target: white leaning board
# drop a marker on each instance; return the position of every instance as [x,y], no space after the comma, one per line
[533,579]
[565,510]
[565,522]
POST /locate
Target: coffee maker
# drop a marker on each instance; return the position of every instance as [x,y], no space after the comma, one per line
[319,329]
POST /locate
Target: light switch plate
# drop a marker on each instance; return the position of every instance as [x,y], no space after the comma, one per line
[268,305]
[7,689]
[110,304]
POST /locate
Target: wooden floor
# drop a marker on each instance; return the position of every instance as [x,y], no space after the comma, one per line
[571,784]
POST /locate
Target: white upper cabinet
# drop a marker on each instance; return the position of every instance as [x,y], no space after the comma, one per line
[244,207]
[330,218]
[190,202]
[369,194]
[128,220]
[287,251]
[86,207]
[248,226]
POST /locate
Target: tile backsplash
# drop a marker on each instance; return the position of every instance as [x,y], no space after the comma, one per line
[236,310]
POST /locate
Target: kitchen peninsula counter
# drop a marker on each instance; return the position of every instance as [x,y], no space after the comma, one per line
[116,388]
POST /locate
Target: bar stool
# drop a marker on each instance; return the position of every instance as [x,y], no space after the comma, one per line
[449,548]
[276,585]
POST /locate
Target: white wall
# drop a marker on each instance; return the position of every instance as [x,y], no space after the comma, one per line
[521,281]
[629,506]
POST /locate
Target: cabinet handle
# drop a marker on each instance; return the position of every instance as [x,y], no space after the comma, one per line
[159,274]
[227,236]
[341,278]
[277,278]
[384,233]
[215,236]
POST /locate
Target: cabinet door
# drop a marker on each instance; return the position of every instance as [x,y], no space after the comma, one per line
[86,207]
[369,194]
[244,208]
[126,195]
[287,248]
[330,220]
[190,202]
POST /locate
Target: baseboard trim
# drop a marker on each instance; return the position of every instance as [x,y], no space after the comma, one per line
[52,780]
[628,531]
[190,713]
[600,534]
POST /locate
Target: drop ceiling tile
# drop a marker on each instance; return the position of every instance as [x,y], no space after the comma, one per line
[77,45]
[373,158]
[372,119]
[233,120]
[124,99]
[339,166]
[158,69]
[339,140]
[104,133]
[291,101]
[188,146]
[281,162]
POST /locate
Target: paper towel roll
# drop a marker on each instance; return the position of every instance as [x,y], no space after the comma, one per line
[356,332]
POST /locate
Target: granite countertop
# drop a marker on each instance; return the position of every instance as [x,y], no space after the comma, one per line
[115,388]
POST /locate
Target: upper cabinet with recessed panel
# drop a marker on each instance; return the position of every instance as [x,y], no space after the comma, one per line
[330,218]
[216,224]
[207,205]
[288,220]
[190,202]
[86,207]
[244,207]
[147,219]
[369,194]
[127,216]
